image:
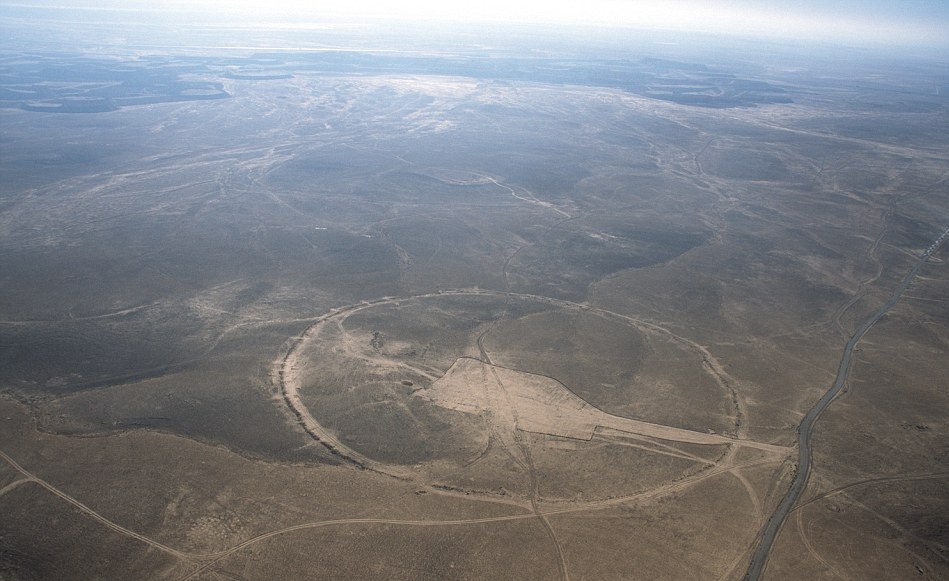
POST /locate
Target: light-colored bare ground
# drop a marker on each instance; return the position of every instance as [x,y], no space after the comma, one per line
[546,406]
[539,404]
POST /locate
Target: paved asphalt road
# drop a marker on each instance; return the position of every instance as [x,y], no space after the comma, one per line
[770,532]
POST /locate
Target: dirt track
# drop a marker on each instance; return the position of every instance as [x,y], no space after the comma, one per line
[546,405]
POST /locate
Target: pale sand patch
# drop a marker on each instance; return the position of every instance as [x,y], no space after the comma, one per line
[536,403]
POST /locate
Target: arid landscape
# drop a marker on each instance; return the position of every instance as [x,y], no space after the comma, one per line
[370,315]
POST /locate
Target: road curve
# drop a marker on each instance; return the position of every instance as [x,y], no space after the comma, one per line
[665,489]
[806,427]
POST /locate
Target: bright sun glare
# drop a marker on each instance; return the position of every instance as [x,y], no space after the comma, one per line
[693,15]
[774,18]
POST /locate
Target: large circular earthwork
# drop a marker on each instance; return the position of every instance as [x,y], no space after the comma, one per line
[479,391]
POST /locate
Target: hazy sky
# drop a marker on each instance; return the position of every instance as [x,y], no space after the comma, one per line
[896,21]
